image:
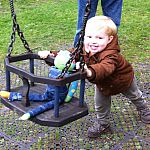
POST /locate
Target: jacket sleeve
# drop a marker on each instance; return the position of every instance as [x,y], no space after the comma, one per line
[104,68]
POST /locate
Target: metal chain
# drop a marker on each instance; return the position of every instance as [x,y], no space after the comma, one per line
[15,27]
[79,47]
[13,37]
[25,43]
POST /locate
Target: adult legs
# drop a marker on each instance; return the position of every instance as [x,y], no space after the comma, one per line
[112,9]
[81,12]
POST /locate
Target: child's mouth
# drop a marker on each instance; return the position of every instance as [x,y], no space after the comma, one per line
[94,47]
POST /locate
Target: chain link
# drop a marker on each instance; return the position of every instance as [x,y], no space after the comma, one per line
[15,27]
[78,52]
[13,37]
[78,49]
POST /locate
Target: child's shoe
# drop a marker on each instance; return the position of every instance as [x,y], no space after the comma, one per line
[144,115]
[97,130]
[4,94]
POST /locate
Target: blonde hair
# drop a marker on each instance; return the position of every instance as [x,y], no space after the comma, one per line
[103,22]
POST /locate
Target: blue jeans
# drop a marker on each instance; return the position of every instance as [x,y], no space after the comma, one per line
[49,94]
[110,8]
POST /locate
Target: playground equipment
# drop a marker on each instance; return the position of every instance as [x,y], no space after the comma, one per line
[69,112]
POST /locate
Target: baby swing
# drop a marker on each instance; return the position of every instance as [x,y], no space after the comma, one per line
[56,117]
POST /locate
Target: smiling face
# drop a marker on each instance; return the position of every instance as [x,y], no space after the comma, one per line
[99,33]
[96,40]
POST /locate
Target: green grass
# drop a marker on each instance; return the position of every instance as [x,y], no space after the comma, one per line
[46,24]
[51,24]
[134,31]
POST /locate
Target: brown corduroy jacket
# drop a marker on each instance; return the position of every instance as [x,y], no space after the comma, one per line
[111,72]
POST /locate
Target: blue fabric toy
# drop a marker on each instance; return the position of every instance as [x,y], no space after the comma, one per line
[65,94]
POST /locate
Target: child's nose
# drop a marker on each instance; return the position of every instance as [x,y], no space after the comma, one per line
[94,40]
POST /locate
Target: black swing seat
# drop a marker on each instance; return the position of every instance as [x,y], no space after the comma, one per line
[61,114]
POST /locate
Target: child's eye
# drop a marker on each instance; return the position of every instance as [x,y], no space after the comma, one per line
[99,37]
[89,36]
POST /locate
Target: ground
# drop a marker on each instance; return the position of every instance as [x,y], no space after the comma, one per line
[128,131]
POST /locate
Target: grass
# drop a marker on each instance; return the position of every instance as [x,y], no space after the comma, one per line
[51,24]
[134,31]
[46,24]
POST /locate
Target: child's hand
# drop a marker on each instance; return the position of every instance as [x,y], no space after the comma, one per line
[88,71]
[45,54]
[77,65]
